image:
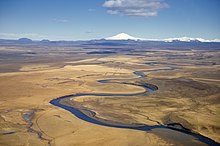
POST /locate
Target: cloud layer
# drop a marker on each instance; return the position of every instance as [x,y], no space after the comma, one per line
[145,8]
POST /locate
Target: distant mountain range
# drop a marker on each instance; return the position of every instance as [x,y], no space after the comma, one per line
[188,39]
[117,39]
[124,36]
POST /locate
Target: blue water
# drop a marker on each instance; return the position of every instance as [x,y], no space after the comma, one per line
[142,127]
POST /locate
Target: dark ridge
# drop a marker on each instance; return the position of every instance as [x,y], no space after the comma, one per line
[101,52]
[178,126]
[7,133]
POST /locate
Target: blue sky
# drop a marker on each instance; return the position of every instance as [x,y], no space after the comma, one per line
[93,19]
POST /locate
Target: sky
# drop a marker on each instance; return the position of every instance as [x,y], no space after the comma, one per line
[96,19]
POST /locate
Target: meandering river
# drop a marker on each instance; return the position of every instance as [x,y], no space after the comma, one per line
[174,135]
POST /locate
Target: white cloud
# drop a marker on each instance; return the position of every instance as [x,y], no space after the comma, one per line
[144,8]
[61,20]
[88,32]
[91,10]
[33,36]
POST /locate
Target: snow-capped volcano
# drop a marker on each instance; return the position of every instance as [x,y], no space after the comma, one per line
[123,36]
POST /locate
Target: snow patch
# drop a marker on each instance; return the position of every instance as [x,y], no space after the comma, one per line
[189,39]
[123,36]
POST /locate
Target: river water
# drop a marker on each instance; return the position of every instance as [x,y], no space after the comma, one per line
[172,134]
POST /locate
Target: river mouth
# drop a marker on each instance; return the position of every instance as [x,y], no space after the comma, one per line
[175,133]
